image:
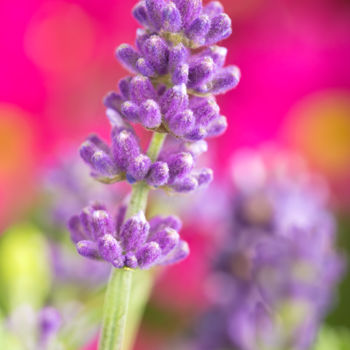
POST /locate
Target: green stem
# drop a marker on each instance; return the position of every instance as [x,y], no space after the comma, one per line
[120,282]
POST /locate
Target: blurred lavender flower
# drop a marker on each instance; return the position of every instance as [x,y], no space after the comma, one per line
[135,243]
[275,276]
[34,330]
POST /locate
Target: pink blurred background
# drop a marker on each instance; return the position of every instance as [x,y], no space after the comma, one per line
[58,62]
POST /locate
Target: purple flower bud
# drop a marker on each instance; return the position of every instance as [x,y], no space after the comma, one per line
[198,133]
[213,9]
[200,71]
[86,221]
[141,37]
[198,29]
[179,165]
[189,10]
[86,151]
[50,321]
[148,255]
[204,176]
[171,18]
[113,101]
[150,115]
[141,89]
[205,110]
[120,217]
[88,249]
[139,166]
[124,87]
[134,232]
[104,164]
[131,261]
[109,248]
[220,29]
[180,252]
[158,174]
[156,52]
[158,223]
[154,10]
[76,230]
[145,68]
[177,55]
[227,79]
[124,147]
[180,74]
[98,142]
[102,223]
[131,111]
[185,184]
[217,127]
[217,53]
[182,123]
[128,57]
[140,13]
[167,240]
[175,100]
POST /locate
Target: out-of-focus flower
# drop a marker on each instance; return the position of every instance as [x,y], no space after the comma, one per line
[274,278]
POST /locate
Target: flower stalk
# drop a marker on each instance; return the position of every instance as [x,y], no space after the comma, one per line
[119,287]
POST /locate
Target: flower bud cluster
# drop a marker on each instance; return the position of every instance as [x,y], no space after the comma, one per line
[185,20]
[135,243]
[173,170]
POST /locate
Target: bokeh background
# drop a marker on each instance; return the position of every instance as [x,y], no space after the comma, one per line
[57,62]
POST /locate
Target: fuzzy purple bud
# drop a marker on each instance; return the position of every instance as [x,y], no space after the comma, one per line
[145,68]
[150,115]
[180,74]
[167,240]
[131,261]
[88,249]
[220,29]
[113,101]
[182,123]
[109,248]
[138,167]
[101,223]
[217,127]
[179,164]
[154,10]
[198,133]
[125,147]
[217,53]
[200,71]
[158,174]
[128,57]
[124,87]
[198,29]
[174,100]
[141,89]
[76,230]
[156,52]
[104,164]
[148,255]
[177,55]
[180,253]
[185,184]
[189,10]
[130,111]
[171,18]
[140,13]
[134,232]
[225,80]
[205,110]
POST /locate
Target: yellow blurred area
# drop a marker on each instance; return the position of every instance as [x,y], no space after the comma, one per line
[319,127]
[16,140]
